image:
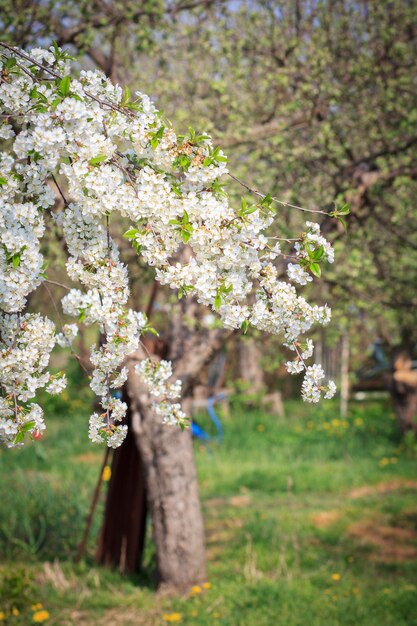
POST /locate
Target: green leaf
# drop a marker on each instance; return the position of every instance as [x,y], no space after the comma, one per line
[27,426]
[267,201]
[151,330]
[156,138]
[315,269]
[185,236]
[3,181]
[131,234]
[35,156]
[55,103]
[244,326]
[16,260]
[343,210]
[217,301]
[183,161]
[176,188]
[19,437]
[64,85]
[125,97]
[316,255]
[98,159]
[10,63]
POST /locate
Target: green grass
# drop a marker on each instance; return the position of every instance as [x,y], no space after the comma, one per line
[310,521]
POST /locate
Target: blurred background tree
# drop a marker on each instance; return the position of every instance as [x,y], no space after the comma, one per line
[314,102]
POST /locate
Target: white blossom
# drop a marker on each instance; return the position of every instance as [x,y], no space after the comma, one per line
[116,161]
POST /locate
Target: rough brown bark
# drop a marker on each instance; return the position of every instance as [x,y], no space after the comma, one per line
[403,386]
[172,493]
[168,462]
[162,456]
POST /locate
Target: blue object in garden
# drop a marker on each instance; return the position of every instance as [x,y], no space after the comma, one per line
[215,379]
[213,415]
[199,433]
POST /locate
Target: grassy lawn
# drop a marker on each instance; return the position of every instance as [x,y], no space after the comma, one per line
[310,520]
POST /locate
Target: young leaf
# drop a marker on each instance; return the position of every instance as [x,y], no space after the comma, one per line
[130,234]
[98,159]
[185,236]
[19,437]
[315,269]
[27,426]
[64,85]
[244,326]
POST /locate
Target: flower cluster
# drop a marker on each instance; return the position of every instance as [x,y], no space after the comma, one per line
[116,155]
[25,347]
[156,376]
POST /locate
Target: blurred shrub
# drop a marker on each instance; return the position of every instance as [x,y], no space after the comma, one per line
[38,519]
[16,590]
[244,398]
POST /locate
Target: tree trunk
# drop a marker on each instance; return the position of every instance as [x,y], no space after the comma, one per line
[168,461]
[172,494]
[403,385]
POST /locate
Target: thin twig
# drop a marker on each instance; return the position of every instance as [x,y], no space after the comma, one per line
[54,282]
[281,202]
[74,354]
[60,190]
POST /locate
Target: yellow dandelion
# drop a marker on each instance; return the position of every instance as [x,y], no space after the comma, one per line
[40,616]
[336,577]
[358,421]
[172,617]
[383,462]
[2,616]
[207,585]
[216,615]
[15,611]
[106,473]
[37,606]
[195,590]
